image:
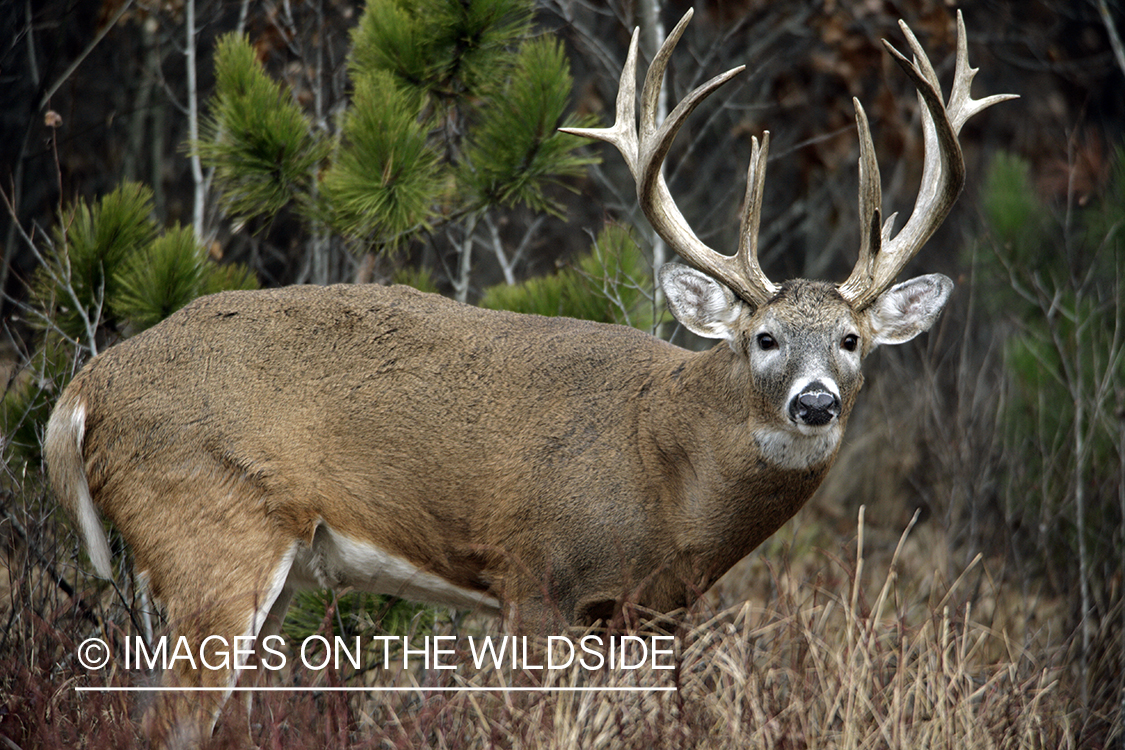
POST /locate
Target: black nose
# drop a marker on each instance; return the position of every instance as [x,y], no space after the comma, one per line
[815,406]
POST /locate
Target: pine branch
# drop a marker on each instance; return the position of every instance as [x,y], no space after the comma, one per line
[262,146]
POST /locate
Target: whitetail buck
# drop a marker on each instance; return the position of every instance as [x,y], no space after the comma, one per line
[256,443]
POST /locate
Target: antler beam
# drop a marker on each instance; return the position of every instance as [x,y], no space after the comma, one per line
[644,153]
[881,256]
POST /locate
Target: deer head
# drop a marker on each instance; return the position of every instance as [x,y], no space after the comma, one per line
[803,340]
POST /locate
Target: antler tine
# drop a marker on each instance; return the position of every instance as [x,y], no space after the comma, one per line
[881,256]
[623,134]
[870,203]
[646,154]
[961,104]
[752,216]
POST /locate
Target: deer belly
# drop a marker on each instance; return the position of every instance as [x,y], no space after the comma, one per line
[336,561]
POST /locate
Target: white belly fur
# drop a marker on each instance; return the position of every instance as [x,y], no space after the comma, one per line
[337,561]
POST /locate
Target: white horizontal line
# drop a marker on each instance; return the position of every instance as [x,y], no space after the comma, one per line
[470,689]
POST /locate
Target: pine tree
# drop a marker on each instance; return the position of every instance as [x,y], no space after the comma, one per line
[454,113]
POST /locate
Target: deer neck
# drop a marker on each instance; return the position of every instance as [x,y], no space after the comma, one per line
[724,493]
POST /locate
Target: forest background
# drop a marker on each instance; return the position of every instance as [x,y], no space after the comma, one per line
[985,461]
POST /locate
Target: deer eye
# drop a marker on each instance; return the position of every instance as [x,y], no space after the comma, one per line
[766,342]
[850,342]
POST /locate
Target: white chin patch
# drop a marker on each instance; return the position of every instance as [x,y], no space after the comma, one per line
[798,448]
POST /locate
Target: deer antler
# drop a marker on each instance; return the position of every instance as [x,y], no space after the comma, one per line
[881,256]
[645,153]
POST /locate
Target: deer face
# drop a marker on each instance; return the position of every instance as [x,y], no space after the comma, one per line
[805,347]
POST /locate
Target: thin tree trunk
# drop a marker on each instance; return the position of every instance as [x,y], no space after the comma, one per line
[465,260]
[199,208]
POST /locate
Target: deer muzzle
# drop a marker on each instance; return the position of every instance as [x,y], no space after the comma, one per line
[815,405]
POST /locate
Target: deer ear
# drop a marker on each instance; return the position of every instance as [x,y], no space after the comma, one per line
[907,309]
[706,307]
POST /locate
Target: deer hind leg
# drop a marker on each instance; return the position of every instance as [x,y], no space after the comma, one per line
[214,611]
